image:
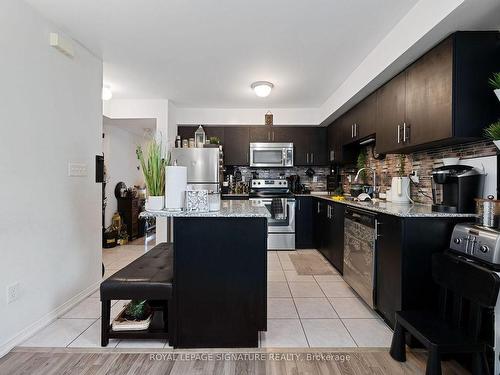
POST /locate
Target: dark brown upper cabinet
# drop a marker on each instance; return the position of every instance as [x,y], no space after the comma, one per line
[360,120]
[236,145]
[391,108]
[442,98]
[261,134]
[186,132]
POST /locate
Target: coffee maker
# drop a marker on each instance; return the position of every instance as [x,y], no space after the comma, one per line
[333,180]
[454,188]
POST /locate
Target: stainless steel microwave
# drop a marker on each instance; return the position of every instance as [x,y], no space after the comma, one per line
[270,154]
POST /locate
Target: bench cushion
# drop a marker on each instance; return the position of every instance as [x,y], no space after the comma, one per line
[148,277]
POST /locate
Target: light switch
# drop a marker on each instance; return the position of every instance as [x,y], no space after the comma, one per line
[77,169]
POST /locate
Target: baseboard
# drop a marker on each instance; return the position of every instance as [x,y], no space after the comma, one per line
[47,319]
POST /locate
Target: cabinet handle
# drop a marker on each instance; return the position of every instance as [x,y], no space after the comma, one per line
[273,136]
[405,138]
[355,129]
[268,136]
[307,157]
[318,208]
[399,133]
[377,224]
[352,131]
[298,204]
[312,157]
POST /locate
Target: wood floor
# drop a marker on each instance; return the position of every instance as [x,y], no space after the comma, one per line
[353,362]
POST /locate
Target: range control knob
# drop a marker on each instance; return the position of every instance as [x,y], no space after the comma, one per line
[483,248]
[458,241]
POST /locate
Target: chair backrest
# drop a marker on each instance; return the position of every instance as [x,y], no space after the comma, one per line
[466,289]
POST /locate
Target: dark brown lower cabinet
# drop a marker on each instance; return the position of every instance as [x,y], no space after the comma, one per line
[404,249]
[304,223]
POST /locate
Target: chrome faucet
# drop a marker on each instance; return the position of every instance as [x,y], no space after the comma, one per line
[374,177]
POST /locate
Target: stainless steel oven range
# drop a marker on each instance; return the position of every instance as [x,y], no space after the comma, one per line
[275,195]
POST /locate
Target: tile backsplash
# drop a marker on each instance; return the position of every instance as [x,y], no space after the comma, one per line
[423,162]
[270,173]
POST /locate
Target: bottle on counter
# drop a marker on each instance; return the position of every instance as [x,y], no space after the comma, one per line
[178,142]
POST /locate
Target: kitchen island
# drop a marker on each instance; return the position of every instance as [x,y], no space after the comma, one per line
[220,276]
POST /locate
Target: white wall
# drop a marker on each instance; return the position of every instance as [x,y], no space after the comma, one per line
[121,162]
[50,224]
[246,116]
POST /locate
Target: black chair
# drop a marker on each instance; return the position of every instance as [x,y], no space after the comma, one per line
[148,277]
[466,289]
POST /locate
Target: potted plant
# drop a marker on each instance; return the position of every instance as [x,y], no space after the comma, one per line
[400,185]
[493,132]
[153,169]
[135,316]
[494,82]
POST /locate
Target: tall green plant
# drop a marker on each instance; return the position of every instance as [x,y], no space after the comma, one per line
[494,81]
[153,167]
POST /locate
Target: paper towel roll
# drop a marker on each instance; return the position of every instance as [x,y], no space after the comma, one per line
[175,187]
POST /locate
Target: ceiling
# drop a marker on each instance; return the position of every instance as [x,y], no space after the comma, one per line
[206,53]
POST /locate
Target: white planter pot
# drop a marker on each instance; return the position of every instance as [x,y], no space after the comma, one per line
[497,92]
[497,143]
[155,203]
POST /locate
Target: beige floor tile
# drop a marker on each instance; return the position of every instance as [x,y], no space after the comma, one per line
[292,275]
[279,308]
[283,333]
[287,265]
[305,289]
[272,257]
[89,308]
[275,276]
[328,278]
[327,333]
[274,266]
[315,308]
[352,308]
[369,332]
[60,333]
[337,289]
[91,338]
[278,289]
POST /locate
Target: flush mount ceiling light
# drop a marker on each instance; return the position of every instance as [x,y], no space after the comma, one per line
[262,88]
[106,93]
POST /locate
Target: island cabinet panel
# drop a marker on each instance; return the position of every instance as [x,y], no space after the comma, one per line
[403,261]
[236,145]
[220,281]
[304,223]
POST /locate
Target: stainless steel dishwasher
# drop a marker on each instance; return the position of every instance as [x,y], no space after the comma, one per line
[360,234]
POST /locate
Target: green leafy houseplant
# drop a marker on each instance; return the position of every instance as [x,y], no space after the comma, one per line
[493,131]
[153,167]
[137,310]
[361,163]
[401,165]
[214,140]
[494,81]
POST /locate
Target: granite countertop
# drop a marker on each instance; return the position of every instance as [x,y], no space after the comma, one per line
[402,210]
[229,208]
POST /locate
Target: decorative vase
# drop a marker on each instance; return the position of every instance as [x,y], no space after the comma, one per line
[497,143]
[155,203]
[497,92]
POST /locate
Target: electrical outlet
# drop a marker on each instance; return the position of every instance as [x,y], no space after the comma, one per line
[414,177]
[77,169]
[12,292]
[315,178]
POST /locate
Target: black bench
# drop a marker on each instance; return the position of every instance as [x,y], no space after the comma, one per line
[148,277]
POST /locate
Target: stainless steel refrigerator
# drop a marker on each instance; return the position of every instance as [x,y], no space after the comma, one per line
[203,168]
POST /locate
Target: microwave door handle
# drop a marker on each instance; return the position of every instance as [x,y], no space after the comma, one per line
[283,157]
